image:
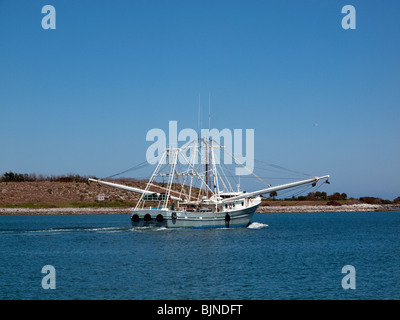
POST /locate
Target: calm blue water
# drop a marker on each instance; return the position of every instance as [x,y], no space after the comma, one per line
[280,256]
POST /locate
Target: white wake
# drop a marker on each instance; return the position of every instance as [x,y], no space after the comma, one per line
[257,225]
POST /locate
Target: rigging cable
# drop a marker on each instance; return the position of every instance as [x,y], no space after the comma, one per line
[137,167]
[282,168]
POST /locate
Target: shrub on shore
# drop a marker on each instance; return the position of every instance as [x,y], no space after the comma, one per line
[32,177]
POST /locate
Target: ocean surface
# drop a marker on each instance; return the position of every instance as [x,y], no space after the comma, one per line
[279,256]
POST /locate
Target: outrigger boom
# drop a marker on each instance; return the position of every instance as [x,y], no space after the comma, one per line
[127,188]
[277,188]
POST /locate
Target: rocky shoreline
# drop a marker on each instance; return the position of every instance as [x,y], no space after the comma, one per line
[361,207]
[264,209]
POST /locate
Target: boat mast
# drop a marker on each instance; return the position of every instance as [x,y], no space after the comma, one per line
[208,148]
[215,171]
[173,156]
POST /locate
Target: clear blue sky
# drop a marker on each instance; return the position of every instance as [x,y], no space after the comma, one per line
[321,99]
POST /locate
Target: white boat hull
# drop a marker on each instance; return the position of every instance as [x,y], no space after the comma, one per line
[182,219]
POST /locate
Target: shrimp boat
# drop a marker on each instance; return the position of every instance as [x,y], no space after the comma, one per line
[196,195]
